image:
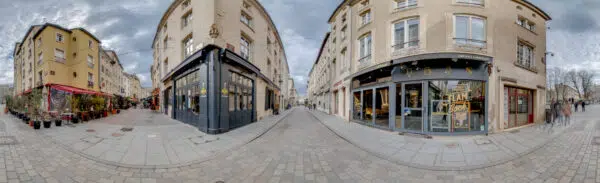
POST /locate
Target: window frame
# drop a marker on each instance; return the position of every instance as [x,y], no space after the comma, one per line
[245,47]
[368,40]
[406,33]
[469,41]
[364,18]
[186,19]
[90,61]
[40,58]
[521,57]
[246,19]
[59,38]
[188,46]
[471,2]
[56,58]
[406,4]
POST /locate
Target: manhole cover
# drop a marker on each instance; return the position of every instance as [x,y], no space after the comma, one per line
[596,141]
[117,134]
[90,130]
[92,140]
[452,145]
[8,140]
[126,129]
[515,131]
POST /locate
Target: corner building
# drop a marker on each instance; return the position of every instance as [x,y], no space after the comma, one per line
[209,48]
[450,67]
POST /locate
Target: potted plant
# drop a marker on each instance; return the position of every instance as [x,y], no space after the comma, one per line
[74,100]
[84,103]
[100,105]
[113,103]
[47,120]
[35,102]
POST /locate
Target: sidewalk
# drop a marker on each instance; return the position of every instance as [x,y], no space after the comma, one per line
[443,153]
[156,141]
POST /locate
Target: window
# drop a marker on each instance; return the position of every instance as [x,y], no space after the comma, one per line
[365,48]
[343,59]
[40,58]
[469,30]
[246,19]
[90,44]
[165,42]
[39,42]
[523,22]
[90,61]
[185,4]
[90,79]
[188,46]
[525,55]
[59,38]
[472,2]
[59,55]
[406,33]
[186,19]
[365,17]
[165,27]
[40,78]
[166,66]
[246,5]
[402,4]
[343,33]
[245,48]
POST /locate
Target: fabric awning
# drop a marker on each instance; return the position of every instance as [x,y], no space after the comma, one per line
[74,90]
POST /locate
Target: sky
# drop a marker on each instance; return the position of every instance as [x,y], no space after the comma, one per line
[128,27]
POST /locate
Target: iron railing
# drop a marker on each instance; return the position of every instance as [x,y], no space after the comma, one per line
[402,45]
[470,42]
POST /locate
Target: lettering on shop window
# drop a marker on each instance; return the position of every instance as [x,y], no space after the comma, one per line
[203,90]
[470,71]
[460,106]
[224,91]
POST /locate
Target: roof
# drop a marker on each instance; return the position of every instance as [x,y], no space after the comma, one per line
[25,37]
[64,29]
[320,51]
[526,2]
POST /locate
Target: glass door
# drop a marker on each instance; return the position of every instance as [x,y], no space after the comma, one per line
[413,106]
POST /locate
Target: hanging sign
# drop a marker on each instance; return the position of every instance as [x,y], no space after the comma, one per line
[203,90]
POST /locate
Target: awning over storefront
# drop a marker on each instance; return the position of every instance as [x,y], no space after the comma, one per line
[74,90]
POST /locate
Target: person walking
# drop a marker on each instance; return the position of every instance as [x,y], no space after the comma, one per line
[567,115]
[582,106]
[576,106]
[556,107]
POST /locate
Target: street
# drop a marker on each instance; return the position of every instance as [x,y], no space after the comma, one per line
[298,149]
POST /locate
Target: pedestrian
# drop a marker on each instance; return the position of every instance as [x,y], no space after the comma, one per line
[582,106]
[576,106]
[567,114]
[556,108]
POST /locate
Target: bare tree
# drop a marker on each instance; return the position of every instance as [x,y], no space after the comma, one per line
[557,83]
[575,81]
[587,82]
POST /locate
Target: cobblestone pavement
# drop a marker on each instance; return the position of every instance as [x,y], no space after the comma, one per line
[298,149]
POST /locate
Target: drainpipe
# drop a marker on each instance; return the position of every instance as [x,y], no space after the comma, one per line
[351,54]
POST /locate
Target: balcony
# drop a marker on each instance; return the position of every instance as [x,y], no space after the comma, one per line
[470,44]
[90,84]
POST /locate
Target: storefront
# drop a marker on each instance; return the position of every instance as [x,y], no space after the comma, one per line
[518,107]
[214,90]
[441,94]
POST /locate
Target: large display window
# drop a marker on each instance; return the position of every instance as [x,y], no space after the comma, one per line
[382,107]
[456,106]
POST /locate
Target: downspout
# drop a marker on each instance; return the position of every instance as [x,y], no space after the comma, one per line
[351,55]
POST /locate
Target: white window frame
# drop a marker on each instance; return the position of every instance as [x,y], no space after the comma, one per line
[186,19]
[90,61]
[366,17]
[343,32]
[188,46]
[343,57]
[59,55]
[246,19]
[39,42]
[469,41]
[406,43]
[365,45]
[245,45]
[525,23]
[404,4]
[90,44]
[525,55]
[472,2]
[60,38]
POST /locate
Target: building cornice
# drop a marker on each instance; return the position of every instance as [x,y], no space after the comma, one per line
[320,52]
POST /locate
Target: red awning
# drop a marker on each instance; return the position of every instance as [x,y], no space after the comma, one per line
[74,90]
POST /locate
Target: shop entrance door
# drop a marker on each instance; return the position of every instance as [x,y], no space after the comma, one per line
[520,107]
[412,109]
[240,100]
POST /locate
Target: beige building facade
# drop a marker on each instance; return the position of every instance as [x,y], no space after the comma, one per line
[438,67]
[241,26]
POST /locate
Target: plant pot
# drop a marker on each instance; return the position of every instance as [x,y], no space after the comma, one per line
[118,111]
[58,122]
[75,120]
[47,124]
[114,111]
[36,125]
[105,113]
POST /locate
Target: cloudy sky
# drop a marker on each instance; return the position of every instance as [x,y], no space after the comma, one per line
[128,26]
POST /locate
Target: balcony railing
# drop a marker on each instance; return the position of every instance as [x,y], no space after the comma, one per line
[91,65]
[402,45]
[90,84]
[365,59]
[526,66]
[470,42]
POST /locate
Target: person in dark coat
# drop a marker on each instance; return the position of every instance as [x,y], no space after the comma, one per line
[582,106]
[556,108]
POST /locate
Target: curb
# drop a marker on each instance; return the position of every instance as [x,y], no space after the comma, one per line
[179,165]
[434,168]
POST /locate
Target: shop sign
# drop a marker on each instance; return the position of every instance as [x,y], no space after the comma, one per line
[460,106]
[224,91]
[203,90]
[473,57]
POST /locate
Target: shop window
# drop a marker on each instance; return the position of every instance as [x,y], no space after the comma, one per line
[456,106]
[382,107]
[413,107]
[518,107]
[367,114]
[232,92]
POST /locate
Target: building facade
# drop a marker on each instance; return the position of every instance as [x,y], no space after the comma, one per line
[111,72]
[320,78]
[241,26]
[437,67]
